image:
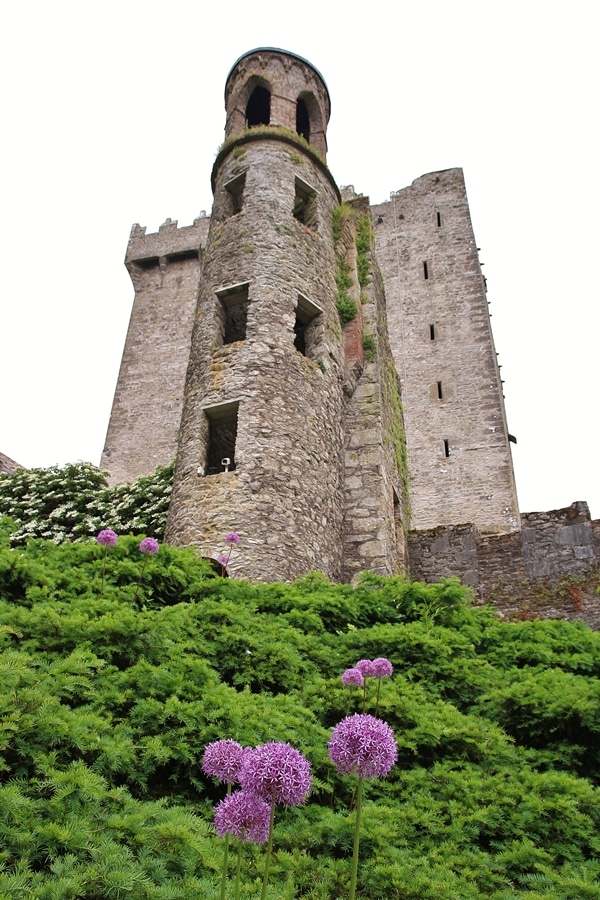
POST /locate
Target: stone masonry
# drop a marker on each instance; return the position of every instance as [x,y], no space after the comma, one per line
[328,441]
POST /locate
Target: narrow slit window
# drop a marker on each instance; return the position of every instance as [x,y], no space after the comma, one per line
[235,194]
[439,219]
[432,332]
[425,270]
[446,447]
[222,436]
[439,391]
[233,312]
[305,204]
[306,327]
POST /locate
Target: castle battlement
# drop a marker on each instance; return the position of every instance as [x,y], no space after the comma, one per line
[170,241]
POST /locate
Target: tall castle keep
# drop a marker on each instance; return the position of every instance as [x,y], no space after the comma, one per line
[322,370]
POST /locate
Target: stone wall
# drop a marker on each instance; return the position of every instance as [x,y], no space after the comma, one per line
[165,271]
[287,77]
[285,495]
[458,448]
[8,465]
[550,568]
[375,501]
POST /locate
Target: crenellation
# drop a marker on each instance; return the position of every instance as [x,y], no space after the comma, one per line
[170,240]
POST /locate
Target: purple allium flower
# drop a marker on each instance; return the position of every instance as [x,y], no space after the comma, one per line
[353,676]
[223,559]
[243,815]
[278,773]
[382,667]
[149,545]
[364,745]
[107,537]
[223,760]
[366,667]
[232,538]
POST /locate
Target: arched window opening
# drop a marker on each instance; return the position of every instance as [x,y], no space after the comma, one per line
[302,120]
[258,108]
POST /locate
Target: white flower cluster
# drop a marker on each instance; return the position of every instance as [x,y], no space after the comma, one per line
[74,502]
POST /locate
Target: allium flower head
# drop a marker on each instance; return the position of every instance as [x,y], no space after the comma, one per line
[382,667]
[107,537]
[243,815]
[366,667]
[223,760]
[278,773]
[149,545]
[353,676]
[232,538]
[364,745]
[223,559]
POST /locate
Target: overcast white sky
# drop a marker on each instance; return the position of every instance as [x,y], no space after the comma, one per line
[112,114]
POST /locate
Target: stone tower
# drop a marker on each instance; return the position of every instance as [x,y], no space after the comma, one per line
[263,354]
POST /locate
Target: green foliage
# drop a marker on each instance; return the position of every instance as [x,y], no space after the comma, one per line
[364,241]
[395,434]
[369,344]
[274,131]
[106,705]
[345,305]
[338,217]
[75,502]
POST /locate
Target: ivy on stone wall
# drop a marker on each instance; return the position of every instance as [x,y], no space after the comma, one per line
[364,243]
[396,434]
[74,502]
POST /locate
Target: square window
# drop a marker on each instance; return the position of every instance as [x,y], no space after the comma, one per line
[306,327]
[233,312]
[305,204]
[222,436]
[235,194]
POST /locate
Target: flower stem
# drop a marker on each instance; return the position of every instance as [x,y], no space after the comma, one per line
[359,791]
[224,875]
[225,855]
[378,690]
[137,587]
[103,571]
[268,857]
[237,872]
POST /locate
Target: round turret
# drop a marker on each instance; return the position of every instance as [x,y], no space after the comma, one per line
[268,86]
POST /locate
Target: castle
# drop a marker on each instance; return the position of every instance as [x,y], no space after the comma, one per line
[324,370]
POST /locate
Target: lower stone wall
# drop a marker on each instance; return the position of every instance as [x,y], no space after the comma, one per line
[550,569]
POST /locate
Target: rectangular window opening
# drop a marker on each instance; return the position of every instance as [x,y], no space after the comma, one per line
[425,270]
[446,447]
[432,332]
[305,204]
[439,220]
[439,390]
[235,193]
[222,436]
[305,326]
[233,312]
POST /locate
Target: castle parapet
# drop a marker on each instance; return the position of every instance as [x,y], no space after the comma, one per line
[539,571]
[169,241]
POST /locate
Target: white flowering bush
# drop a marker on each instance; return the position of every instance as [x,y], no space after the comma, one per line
[74,502]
